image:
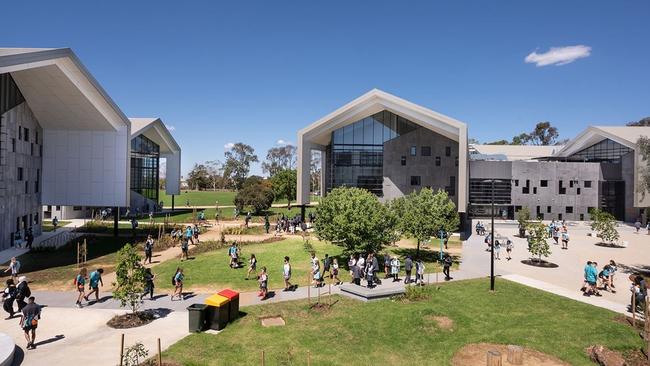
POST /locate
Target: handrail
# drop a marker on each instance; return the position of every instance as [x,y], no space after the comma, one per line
[58,240]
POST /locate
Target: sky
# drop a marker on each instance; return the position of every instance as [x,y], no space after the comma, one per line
[220,72]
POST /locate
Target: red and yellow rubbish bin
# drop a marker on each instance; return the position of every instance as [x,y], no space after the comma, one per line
[217,314]
[233,296]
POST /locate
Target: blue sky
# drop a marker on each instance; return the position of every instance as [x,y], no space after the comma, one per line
[257,72]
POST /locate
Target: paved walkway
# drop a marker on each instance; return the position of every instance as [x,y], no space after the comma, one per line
[5,255]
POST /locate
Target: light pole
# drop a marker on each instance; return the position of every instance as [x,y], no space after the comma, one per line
[492,181]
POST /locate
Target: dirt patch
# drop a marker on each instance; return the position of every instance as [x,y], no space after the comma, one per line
[636,358]
[627,320]
[476,354]
[319,306]
[539,263]
[272,321]
[442,321]
[131,320]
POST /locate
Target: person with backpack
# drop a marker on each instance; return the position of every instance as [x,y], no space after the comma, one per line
[252,266]
[148,284]
[148,249]
[8,298]
[55,223]
[31,314]
[264,284]
[177,282]
[80,284]
[22,292]
[446,265]
[185,248]
[95,280]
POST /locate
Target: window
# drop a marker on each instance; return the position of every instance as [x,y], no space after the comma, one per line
[447,150]
[36,136]
[13,145]
[38,181]
[516,182]
[413,150]
[451,188]
[582,217]
[31,149]
[548,209]
[26,187]
[559,216]
[58,208]
[587,184]
[571,183]
[40,150]
[20,132]
[403,160]
[578,191]
[543,183]
[526,188]
[26,134]
[415,180]
[437,161]
[456,161]
[76,208]
[534,190]
[569,209]
[604,151]
[36,218]
[19,174]
[426,151]
[561,188]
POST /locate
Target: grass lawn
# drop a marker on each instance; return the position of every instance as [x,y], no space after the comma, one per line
[56,269]
[210,270]
[47,225]
[395,333]
[205,198]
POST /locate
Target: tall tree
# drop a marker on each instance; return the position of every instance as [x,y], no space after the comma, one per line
[238,163]
[279,158]
[544,134]
[423,215]
[354,219]
[641,122]
[256,194]
[643,146]
[215,172]
[521,139]
[198,177]
[315,172]
[284,185]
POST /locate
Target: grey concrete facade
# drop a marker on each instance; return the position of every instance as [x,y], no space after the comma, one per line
[20,176]
[397,177]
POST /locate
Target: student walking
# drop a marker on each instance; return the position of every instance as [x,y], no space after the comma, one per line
[315,270]
[148,284]
[29,318]
[356,274]
[14,267]
[177,282]
[252,266]
[185,248]
[556,235]
[8,298]
[446,265]
[80,284]
[387,260]
[264,284]
[95,280]
[637,226]
[497,250]
[408,268]
[286,274]
[148,249]
[394,268]
[509,247]
[370,270]
[234,258]
[335,271]
[22,292]
[327,263]
[565,238]
[419,267]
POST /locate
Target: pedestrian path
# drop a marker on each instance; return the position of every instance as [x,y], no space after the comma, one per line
[5,255]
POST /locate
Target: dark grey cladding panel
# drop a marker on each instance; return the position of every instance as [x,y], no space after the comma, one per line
[490,169]
[610,171]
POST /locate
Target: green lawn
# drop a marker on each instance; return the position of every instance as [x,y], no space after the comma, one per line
[210,270]
[395,333]
[205,198]
[47,225]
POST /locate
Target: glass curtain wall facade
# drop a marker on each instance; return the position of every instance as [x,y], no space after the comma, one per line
[606,151]
[356,152]
[145,157]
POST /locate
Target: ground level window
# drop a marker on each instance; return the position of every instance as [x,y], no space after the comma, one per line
[548,209]
[403,160]
[587,184]
[415,180]
[569,209]
[437,161]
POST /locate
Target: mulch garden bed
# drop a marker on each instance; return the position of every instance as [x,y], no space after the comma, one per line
[539,263]
[131,320]
[476,354]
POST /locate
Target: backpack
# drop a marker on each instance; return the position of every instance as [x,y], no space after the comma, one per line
[29,322]
[174,280]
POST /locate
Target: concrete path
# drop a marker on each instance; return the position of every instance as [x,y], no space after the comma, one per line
[5,255]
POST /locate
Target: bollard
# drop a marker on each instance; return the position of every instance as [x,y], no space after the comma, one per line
[159,354]
[262,357]
[308,358]
[122,350]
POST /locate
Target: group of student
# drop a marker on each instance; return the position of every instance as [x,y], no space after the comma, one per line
[637,226]
[290,225]
[366,267]
[94,281]
[498,243]
[558,230]
[187,236]
[592,278]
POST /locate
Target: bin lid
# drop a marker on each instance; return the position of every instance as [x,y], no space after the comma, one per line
[196,307]
[217,300]
[229,293]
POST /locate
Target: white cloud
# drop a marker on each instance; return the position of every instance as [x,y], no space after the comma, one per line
[228,146]
[558,55]
[170,128]
[282,142]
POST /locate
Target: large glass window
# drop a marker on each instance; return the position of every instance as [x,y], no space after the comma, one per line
[145,155]
[357,151]
[605,151]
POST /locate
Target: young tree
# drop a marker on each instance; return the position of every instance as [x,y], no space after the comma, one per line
[643,145]
[354,219]
[523,218]
[424,214]
[604,224]
[537,241]
[238,163]
[130,275]
[284,185]
[278,159]
[257,195]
